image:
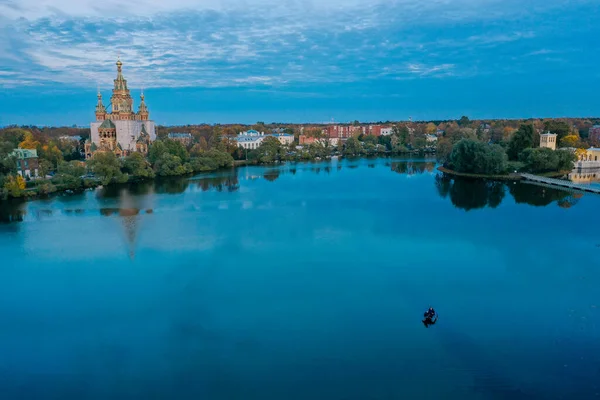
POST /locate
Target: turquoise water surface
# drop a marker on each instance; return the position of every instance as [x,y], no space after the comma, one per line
[304,281]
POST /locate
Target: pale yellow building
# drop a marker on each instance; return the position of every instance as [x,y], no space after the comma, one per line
[548,140]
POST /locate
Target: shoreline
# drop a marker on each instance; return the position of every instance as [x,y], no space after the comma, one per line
[507,177]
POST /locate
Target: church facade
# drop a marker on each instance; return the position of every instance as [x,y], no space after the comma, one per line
[121,131]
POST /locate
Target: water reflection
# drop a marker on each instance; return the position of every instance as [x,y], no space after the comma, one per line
[412,167]
[12,211]
[585,176]
[272,174]
[470,194]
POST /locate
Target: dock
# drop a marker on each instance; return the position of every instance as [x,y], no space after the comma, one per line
[560,183]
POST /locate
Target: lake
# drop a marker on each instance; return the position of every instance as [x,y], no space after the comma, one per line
[304,281]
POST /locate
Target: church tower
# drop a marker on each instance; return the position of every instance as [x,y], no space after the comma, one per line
[120,130]
[100,109]
[122,103]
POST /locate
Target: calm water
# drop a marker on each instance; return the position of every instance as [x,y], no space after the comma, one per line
[302,282]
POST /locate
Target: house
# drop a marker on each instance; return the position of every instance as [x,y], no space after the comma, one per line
[252,139]
[548,140]
[431,139]
[27,162]
[183,138]
[306,140]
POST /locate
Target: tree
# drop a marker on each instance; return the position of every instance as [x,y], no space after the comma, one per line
[561,128]
[72,168]
[136,166]
[107,168]
[402,133]
[171,165]
[352,147]
[570,141]
[520,141]
[269,151]
[29,142]
[14,185]
[44,167]
[464,121]
[543,159]
[173,147]
[470,156]
[443,149]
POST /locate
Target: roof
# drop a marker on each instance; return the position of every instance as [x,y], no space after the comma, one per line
[249,138]
[142,138]
[94,147]
[548,134]
[143,131]
[24,153]
[178,135]
[107,124]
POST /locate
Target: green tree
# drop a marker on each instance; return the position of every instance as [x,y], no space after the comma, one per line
[72,168]
[464,121]
[171,165]
[173,147]
[470,156]
[542,159]
[521,140]
[561,128]
[269,151]
[107,168]
[443,149]
[352,147]
[137,167]
[44,167]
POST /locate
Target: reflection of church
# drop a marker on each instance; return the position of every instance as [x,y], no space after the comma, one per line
[122,130]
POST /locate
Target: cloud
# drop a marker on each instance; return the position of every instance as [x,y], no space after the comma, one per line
[265,43]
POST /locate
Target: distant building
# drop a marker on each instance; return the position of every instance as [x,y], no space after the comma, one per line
[594,134]
[252,139]
[591,154]
[439,132]
[27,162]
[76,138]
[184,138]
[386,131]
[306,140]
[431,139]
[548,140]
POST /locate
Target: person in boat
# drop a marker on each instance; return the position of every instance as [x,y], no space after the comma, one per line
[430,317]
[429,313]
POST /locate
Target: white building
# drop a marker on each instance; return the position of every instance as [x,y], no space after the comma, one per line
[252,139]
[548,140]
[431,138]
[386,131]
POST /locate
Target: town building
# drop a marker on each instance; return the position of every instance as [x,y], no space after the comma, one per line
[252,139]
[431,139]
[306,140]
[184,138]
[27,162]
[548,140]
[121,130]
[594,134]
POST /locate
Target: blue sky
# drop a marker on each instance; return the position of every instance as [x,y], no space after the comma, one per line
[301,61]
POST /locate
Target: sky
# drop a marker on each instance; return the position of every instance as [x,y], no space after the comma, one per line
[243,61]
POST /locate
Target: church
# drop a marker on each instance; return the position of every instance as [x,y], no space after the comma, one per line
[121,131]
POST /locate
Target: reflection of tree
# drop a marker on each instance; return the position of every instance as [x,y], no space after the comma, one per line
[469,194]
[220,183]
[12,211]
[293,171]
[535,195]
[172,185]
[412,167]
[272,175]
